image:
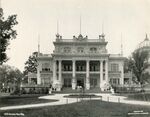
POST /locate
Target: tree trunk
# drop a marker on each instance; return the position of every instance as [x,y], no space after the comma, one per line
[143,92]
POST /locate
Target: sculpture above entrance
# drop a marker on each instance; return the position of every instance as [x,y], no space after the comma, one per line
[80,38]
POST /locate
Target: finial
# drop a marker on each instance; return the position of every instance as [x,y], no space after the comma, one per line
[38,44]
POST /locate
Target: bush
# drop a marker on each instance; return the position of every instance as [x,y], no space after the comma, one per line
[16,91]
[23,91]
[121,89]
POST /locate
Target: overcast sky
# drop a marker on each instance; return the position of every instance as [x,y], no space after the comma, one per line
[129,17]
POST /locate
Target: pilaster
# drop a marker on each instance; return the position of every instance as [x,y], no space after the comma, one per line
[73,75]
[87,75]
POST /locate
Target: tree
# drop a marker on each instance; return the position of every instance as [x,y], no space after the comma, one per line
[7,33]
[10,75]
[31,63]
[139,64]
[128,65]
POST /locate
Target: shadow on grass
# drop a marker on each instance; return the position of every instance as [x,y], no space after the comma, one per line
[82,109]
[14,100]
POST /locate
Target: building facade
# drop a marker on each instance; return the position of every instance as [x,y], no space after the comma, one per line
[80,61]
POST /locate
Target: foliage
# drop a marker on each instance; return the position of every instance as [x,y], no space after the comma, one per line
[128,65]
[125,89]
[7,33]
[9,75]
[139,64]
[139,96]
[31,63]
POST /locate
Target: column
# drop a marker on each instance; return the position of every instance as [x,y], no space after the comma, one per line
[60,77]
[38,74]
[73,75]
[122,73]
[54,73]
[87,75]
[106,71]
[101,73]
[60,74]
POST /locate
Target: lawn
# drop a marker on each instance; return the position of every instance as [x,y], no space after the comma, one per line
[83,109]
[21,100]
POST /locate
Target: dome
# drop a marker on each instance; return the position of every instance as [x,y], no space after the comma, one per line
[145,43]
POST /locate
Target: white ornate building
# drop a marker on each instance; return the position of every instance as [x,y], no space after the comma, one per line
[80,61]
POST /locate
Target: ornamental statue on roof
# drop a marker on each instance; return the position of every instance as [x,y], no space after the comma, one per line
[58,36]
[80,38]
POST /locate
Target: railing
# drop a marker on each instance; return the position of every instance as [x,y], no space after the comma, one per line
[45,71]
[114,72]
[88,40]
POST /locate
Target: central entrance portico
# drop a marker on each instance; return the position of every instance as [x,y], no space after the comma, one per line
[85,73]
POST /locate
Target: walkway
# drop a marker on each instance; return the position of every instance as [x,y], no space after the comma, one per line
[62,100]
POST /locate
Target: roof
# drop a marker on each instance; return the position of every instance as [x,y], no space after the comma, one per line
[117,56]
[80,40]
[145,43]
[44,57]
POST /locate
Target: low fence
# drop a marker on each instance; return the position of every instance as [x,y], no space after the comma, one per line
[135,113]
[90,98]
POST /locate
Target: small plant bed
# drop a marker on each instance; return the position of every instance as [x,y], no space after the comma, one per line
[82,96]
[14,100]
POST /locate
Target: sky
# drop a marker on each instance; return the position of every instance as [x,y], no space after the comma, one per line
[38,18]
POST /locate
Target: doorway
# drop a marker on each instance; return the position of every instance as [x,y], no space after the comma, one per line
[80,82]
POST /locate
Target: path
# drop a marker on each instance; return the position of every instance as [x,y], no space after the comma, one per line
[62,100]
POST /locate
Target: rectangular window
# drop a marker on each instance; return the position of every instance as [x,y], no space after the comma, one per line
[114,67]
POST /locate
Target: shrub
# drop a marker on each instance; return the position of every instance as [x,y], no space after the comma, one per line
[121,89]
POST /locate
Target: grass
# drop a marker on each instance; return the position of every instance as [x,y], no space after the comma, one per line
[21,100]
[83,109]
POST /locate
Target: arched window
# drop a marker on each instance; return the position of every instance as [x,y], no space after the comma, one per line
[80,50]
[93,50]
[67,49]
